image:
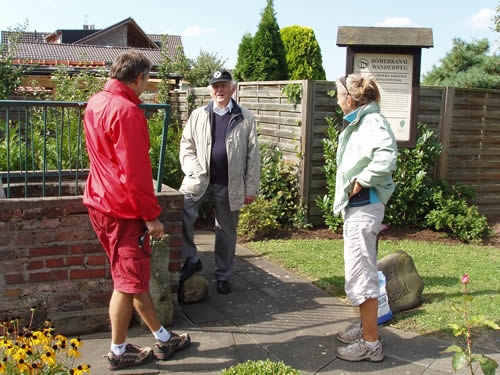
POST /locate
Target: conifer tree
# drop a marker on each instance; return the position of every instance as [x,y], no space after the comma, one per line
[244,64]
[303,54]
[467,65]
[268,58]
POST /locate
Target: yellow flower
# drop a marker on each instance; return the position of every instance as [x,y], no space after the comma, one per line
[82,369]
[49,357]
[76,342]
[22,366]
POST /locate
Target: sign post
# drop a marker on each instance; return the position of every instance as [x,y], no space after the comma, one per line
[392,57]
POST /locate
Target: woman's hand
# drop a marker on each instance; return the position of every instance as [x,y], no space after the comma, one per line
[355,190]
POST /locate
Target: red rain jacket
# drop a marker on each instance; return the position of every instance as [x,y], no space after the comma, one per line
[120,182]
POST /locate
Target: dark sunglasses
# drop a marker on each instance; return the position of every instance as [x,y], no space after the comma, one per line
[343,81]
[142,238]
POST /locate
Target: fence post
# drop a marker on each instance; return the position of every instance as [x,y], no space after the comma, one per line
[445,130]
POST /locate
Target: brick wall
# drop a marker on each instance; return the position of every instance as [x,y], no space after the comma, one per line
[51,260]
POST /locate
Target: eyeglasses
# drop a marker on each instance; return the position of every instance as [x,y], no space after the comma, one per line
[343,81]
[142,238]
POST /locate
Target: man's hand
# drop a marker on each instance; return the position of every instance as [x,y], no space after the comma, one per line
[155,228]
[249,199]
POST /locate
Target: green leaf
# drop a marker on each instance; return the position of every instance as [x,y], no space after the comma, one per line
[491,324]
[453,348]
[488,365]
[459,361]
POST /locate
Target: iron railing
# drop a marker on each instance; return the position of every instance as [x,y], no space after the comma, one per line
[42,146]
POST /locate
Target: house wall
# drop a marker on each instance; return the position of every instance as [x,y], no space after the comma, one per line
[116,37]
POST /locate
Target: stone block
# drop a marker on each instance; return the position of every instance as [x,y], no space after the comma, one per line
[403,283]
[194,289]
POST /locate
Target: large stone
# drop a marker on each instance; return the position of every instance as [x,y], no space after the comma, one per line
[193,289]
[403,283]
[159,285]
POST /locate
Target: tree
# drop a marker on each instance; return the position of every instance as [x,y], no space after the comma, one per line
[497,19]
[178,65]
[244,64]
[467,65]
[303,54]
[267,50]
[10,74]
[202,66]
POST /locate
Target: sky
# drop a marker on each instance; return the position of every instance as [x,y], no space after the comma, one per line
[218,27]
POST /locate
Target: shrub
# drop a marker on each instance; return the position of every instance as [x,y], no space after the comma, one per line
[418,200]
[330,144]
[266,367]
[172,172]
[412,199]
[257,220]
[454,214]
[279,204]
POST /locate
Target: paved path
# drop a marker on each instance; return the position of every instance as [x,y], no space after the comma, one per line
[273,313]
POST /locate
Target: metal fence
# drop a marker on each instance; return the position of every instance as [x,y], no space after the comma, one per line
[42,147]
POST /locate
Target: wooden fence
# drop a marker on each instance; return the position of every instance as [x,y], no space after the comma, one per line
[467,122]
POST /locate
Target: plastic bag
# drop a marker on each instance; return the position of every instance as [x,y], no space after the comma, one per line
[384,310]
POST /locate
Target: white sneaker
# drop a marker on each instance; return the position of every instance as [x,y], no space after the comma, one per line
[352,333]
[359,351]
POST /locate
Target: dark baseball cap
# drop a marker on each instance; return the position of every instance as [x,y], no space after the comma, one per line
[220,76]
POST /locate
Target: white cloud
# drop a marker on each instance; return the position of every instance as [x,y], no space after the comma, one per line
[482,20]
[395,22]
[197,31]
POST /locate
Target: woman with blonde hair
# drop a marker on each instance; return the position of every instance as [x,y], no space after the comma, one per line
[366,159]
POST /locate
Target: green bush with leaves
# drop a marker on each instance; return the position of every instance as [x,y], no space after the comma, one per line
[412,199]
[418,200]
[172,173]
[330,143]
[261,367]
[279,203]
[258,220]
[455,214]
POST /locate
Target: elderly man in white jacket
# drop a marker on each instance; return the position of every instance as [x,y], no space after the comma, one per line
[219,155]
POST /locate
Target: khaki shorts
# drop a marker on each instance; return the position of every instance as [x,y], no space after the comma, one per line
[130,264]
[361,228]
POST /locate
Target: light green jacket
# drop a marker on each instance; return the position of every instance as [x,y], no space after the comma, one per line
[366,153]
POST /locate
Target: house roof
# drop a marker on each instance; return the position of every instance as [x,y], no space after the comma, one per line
[36,48]
[66,54]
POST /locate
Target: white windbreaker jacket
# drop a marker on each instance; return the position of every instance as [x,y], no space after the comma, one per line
[242,153]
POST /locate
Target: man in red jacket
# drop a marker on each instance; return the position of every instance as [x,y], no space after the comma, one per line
[123,208]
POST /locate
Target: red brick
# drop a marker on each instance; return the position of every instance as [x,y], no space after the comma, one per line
[75,260]
[14,278]
[87,248]
[87,274]
[47,251]
[74,235]
[96,260]
[175,242]
[55,262]
[175,254]
[36,277]
[174,267]
[35,265]
[174,229]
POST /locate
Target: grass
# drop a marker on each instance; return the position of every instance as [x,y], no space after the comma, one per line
[440,266]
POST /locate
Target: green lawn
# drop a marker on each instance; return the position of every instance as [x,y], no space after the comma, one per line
[440,265]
